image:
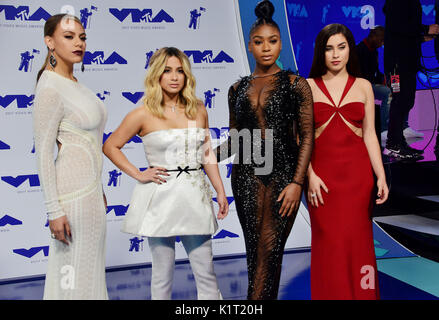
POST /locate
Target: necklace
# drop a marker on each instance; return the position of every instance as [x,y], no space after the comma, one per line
[173,107]
[265,75]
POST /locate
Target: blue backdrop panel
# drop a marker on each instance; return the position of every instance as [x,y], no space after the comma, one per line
[306,18]
[248,17]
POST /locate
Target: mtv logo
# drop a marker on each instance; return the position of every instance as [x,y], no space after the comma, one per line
[118,210]
[9,220]
[97,57]
[141,15]
[17,181]
[29,253]
[23,101]
[225,234]
[4,146]
[207,56]
[23,13]
[133,97]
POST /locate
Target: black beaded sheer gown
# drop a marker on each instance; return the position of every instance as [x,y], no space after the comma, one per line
[281,107]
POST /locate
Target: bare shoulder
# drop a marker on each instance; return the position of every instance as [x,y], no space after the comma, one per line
[138,115]
[200,107]
[311,83]
[140,111]
[364,84]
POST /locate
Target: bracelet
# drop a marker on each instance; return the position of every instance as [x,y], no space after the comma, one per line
[300,184]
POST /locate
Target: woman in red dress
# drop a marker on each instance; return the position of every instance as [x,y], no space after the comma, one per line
[341,174]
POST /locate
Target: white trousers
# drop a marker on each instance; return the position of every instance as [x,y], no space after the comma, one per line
[199,251]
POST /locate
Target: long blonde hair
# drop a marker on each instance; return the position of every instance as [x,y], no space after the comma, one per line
[153,98]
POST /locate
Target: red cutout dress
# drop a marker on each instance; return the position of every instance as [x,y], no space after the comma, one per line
[343,263]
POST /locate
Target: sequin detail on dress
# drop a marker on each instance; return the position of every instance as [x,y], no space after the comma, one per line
[283,103]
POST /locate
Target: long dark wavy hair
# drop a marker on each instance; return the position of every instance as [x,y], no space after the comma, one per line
[319,67]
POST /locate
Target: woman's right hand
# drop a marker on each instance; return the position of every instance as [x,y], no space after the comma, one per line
[60,228]
[315,190]
[152,174]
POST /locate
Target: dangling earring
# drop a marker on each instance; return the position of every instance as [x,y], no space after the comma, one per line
[52,59]
[82,66]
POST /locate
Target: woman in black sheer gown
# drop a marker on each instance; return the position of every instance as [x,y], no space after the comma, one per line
[279,104]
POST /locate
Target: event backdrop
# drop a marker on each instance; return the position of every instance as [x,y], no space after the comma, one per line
[121,40]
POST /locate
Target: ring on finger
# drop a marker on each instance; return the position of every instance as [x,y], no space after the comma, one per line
[313,195]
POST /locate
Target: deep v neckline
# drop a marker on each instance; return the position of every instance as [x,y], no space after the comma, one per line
[321,84]
[258,107]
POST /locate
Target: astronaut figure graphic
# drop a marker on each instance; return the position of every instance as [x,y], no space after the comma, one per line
[26,57]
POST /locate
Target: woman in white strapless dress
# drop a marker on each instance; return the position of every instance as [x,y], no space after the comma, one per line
[172,197]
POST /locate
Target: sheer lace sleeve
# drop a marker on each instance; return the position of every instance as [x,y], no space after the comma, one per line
[304,100]
[223,151]
[48,113]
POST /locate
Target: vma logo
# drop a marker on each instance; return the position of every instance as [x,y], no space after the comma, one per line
[34,181]
[209,97]
[119,210]
[85,16]
[133,97]
[97,57]
[141,15]
[297,10]
[134,139]
[23,13]
[225,234]
[26,60]
[4,146]
[9,220]
[229,199]
[23,101]
[207,56]
[29,253]
[194,22]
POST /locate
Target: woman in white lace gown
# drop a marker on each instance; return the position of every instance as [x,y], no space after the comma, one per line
[70,115]
[172,197]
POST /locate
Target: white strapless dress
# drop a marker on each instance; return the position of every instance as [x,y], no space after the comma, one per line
[182,205]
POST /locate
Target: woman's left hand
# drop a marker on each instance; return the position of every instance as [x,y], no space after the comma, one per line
[383,191]
[223,206]
[291,199]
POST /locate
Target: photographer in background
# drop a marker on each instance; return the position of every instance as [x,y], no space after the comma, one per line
[367,51]
[403,35]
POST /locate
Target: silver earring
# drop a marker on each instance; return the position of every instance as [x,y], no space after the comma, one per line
[52,59]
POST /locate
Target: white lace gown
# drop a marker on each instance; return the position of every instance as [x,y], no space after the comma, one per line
[68,112]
